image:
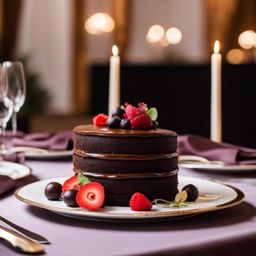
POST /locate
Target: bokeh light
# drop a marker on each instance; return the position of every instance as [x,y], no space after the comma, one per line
[235,56]
[99,23]
[247,39]
[155,33]
[173,35]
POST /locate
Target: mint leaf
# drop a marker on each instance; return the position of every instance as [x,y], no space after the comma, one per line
[152,112]
[82,180]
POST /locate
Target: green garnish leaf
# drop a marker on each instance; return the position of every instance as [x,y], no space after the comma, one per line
[168,204]
[152,112]
[82,180]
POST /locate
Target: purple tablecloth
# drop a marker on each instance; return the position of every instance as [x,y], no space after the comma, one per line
[227,232]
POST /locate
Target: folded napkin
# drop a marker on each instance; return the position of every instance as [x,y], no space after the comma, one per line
[46,140]
[204,147]
[8,184]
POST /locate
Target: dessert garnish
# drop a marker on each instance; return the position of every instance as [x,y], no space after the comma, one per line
[91,196]
[53,191]
[114,122]
[100,120]
[119,112]
[129,117]
[140,202]
[189,193]
[75,182]
[192,192]
[69,198]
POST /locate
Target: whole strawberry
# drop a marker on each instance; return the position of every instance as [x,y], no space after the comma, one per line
[140,202]
[138,117]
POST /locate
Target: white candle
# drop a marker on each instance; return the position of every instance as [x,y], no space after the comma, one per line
[216,105]
[114,81]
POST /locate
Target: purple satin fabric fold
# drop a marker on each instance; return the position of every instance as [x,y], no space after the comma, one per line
[45,140]
[8,184]
[204,147]
[62,140]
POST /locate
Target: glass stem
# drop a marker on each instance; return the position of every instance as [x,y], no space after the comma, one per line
[14,123]
[2,133]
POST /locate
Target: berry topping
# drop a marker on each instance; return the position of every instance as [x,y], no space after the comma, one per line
[125,124]
[53,191]
[100,120]
[69,198]
[140,202]
[118,112]
[71,183]
[114,122]
[141,122]
[132,112]
[91,196]
[192,192]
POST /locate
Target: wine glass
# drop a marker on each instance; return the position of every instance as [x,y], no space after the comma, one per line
[6,106]
[17,88]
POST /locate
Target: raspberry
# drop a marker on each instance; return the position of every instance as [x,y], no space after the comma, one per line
[100,120]
[141,122]
[91,196]
[140,202]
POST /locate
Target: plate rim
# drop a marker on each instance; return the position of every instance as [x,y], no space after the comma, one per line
[149,214]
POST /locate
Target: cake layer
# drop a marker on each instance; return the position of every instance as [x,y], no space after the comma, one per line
[128,165]
[92,139]
[120,193]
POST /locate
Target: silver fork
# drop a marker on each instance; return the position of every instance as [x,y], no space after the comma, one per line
[34,236]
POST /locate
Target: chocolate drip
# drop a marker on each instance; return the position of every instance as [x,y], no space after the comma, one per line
[104,131]
[128,157]
[121,176]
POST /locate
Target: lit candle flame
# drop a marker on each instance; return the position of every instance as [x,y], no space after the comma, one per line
[115,50]
[217,47]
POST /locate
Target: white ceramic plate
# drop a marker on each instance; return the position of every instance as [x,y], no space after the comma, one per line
[14,170]
[219,167]
[33,194]
[49,155]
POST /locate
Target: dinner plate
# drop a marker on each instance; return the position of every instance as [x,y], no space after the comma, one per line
[219,167]
[221,196]
[14,170]
[49,155]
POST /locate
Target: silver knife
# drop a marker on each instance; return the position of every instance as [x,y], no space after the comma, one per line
[20,242]
[36,237]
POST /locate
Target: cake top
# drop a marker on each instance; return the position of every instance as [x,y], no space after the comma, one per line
[105,131]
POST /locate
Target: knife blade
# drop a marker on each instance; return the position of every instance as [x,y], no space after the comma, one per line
[34,236]
[20,242]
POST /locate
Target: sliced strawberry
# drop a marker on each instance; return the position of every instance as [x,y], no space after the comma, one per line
[141,122]
[100,120]
[140,202]
[91,196]
[131,112]
[70,183]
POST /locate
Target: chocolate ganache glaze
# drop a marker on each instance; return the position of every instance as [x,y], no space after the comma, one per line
[127,161]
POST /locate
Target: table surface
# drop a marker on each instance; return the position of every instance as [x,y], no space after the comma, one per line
[227,232]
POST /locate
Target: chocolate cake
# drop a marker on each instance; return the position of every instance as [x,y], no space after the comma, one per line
[127,161]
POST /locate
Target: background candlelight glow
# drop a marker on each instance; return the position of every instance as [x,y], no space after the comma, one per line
[247,39]
[155,33]
[99,23]
[173,35]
